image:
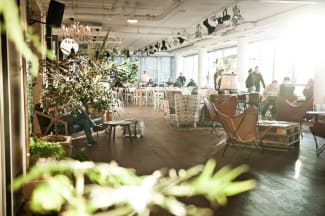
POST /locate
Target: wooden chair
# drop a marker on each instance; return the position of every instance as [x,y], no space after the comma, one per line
[242,128]
[45,123]
[318,130]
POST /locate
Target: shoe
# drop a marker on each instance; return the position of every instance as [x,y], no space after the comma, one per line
[91,143]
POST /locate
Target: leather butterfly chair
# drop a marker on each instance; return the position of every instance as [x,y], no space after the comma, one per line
[286,111]
[242,128]
[318,130]
[228,108]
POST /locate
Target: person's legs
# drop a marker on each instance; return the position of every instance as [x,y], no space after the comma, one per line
[87,128]
[265,105]
[86,124]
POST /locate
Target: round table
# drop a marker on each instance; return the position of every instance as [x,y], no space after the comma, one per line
[111,125]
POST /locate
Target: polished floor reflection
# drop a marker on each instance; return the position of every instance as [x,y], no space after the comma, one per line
[288,182]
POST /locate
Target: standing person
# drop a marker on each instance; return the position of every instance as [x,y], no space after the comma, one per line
[216,75]
[258,79]
[218,81]
[269,96]
[182,79]
[250,81]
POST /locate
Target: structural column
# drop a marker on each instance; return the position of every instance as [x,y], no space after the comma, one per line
[319,80]
[202,67]
[179,65]
[243,62]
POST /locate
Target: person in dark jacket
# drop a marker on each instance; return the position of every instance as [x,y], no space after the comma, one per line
[178,83]
[258,79]
[191,83]
[250,81]
[182,79]
[287,90]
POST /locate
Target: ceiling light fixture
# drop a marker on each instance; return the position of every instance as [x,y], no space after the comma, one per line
[77,32]
[225,15]
[237,17]
[198,33]
[208,26]
[163,46]
[132,21]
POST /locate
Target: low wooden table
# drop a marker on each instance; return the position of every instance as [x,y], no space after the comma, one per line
[112,125]
[316,114]
[281,134]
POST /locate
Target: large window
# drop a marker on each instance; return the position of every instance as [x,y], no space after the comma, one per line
[285,56]
[261,54]
[190,67]
[159,68]
[227,60]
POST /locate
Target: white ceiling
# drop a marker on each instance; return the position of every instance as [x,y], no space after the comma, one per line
[160,19]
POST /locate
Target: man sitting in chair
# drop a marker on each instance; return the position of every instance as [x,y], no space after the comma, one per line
[74,117]
[81,118]
[287,90]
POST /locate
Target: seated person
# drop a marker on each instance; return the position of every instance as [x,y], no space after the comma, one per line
[81,118]
[169,82]
[191,83]
[287,90]
[178,83]
[268,99]
[118,83]
[151,83]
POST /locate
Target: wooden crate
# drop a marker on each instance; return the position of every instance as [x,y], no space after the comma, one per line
[281,133]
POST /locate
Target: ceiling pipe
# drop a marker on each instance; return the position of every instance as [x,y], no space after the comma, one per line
[124,33]
[112,13]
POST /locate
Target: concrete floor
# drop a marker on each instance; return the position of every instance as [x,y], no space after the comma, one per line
[281,188]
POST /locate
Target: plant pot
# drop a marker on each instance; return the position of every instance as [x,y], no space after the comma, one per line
[65,141]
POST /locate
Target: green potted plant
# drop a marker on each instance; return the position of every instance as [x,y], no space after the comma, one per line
[39,148]
[114,190]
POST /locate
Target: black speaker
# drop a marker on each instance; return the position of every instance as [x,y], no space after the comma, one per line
[55,13]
